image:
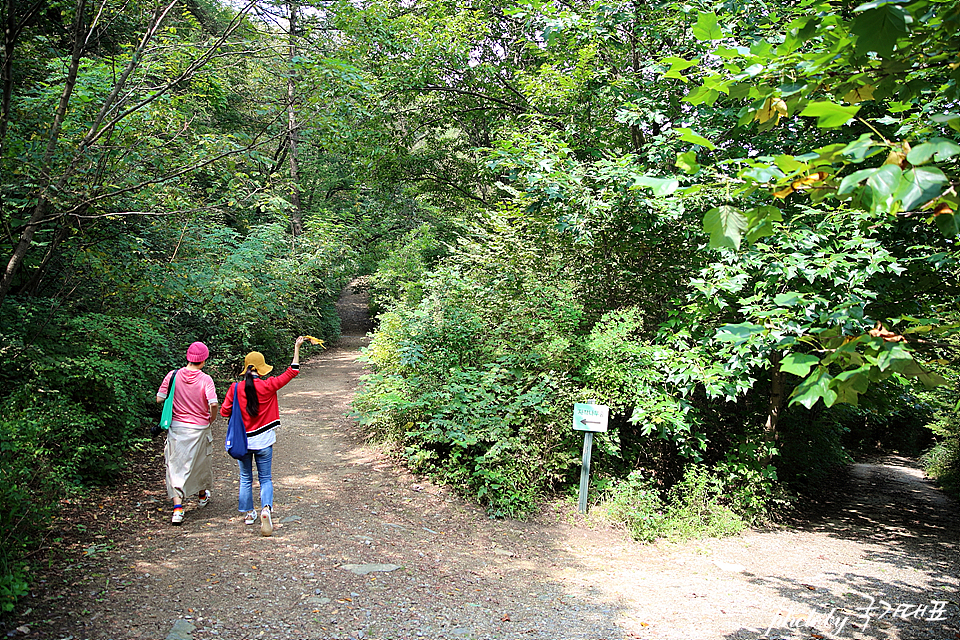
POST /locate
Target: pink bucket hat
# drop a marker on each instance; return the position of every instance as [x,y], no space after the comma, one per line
[197,352]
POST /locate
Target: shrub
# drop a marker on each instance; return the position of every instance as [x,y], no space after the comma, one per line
[399,277]
[695,507]
[471,380]
[942,460]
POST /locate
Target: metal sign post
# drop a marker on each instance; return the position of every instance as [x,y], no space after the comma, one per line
[589,418]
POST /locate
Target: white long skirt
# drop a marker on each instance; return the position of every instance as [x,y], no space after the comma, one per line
[189,456]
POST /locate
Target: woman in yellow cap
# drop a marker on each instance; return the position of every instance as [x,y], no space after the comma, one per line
[257,399]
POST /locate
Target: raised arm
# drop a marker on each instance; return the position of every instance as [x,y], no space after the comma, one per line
[296,350]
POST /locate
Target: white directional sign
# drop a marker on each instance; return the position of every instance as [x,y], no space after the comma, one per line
[590,417]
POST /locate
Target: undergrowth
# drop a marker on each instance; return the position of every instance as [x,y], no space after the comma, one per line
[698,506]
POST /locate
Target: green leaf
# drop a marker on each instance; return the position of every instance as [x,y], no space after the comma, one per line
[829,114]
[798,363]
[850,182]
[857,379]
[920,185]
[687,135]
[952,120]
[738,333]
[947,223]
[760,222]
[687,162]
[788,164]
[894,356]
[813,388]
[941,147]
[725,225]
[884,183]
[676,66]
[860,149]
[707,27]
[661,187]
[879,25]
[931,380]
[701,95]
[788,299]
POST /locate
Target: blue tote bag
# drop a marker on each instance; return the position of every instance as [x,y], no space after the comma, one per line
[236,442]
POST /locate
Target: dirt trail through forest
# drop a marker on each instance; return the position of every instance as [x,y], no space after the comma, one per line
[365,550]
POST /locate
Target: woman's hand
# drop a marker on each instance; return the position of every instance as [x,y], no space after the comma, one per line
[296,349]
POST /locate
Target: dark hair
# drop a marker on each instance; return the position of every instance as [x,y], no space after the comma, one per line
[250,391]
[196,363]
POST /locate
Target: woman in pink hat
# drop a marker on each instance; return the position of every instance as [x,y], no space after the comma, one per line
[189,450]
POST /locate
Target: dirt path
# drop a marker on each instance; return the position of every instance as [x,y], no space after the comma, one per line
[365,550]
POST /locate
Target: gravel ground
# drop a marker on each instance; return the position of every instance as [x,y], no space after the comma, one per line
[365,550]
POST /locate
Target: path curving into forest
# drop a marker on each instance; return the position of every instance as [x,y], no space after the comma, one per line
[363,549]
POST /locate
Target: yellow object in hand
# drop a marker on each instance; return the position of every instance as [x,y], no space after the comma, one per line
[314,340]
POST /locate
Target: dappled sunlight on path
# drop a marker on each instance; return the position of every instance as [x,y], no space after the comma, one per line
[364,549]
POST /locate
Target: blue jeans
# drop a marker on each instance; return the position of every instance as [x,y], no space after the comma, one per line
[264,458]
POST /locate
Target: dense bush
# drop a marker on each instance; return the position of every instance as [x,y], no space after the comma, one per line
[492,425]
[942,460]
[698,506]
[399,276]
[472,380]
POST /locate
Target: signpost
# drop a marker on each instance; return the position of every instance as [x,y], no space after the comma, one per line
[589,418]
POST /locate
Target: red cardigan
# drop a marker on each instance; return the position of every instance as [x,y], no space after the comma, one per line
[268,417]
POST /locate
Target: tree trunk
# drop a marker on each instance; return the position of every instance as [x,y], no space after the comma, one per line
[776,404]
[293,136]
[33,286]
[40,210]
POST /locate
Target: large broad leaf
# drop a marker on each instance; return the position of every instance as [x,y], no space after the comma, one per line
[687,135]
[879,25]
[760,222]
[947,223]
[857,379]
[738,333]
[788,299]
[687,162]
[895,357]
[798,363]
[941,147]
[884,183]
[920,185]
[850,384]
[676,66]
[830,115]
[931,380]
[815,387]
[707,27]
[661,187]
[850,182]
[861,148]
[725,225]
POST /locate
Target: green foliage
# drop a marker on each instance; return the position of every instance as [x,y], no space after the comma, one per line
[468,381]
[698,506]
[13,584]
[878,78]
[256,292]
[399,276]
[942,461]
[636,502]
[623,369]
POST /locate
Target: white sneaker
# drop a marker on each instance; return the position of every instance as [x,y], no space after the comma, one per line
[204,497]
[250,518]
[177,517]
[266,522]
